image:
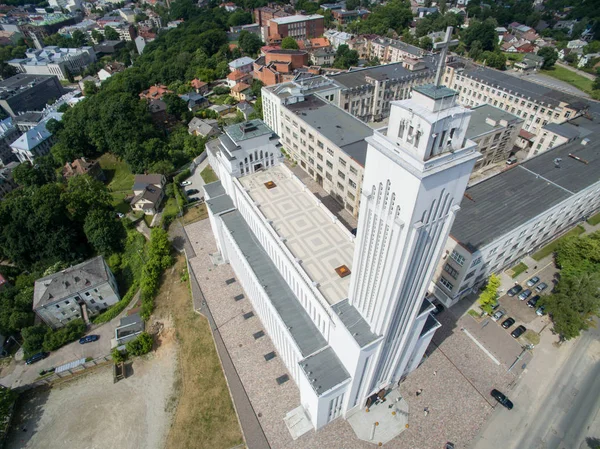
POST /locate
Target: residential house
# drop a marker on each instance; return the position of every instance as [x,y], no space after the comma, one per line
[565,25]
[7,182]
[530,63]
[195,101]
[79,292]
[322,56]
[110,69]
[148,193]
[241,92]
[237,77]
[199,86]
[203,128]
[243,64]
[337,38]
[222,109]
[281,65]
[88,79]
[564,52]
[155,92]
[576,44]
[587,58]
[82,166]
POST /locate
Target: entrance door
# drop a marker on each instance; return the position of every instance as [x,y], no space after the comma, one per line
[258,167]
[319,180]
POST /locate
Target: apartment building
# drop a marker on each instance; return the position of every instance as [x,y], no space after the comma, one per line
[264,14]
[555,134]
[495,131]
[277,66]
[24,92]
[537,105]
[518,211]
[393,50]
[298,27]
[55,61]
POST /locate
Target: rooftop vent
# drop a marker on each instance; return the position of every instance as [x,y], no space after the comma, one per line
[270,185]
[343,271]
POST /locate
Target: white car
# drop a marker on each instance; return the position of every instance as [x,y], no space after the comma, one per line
[186,183]
[120,215]
[499,314]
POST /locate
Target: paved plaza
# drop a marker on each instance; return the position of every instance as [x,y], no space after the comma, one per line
[457,400]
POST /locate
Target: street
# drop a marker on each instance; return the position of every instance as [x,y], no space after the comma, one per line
[556,401]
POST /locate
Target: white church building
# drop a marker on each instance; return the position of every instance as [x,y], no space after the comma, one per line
[348,315]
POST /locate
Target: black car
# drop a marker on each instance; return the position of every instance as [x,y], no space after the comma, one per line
[533,301]
[518,331]
[508,323]
[88,339]
[515,290]
[192,191]
[502,399]
[37,357]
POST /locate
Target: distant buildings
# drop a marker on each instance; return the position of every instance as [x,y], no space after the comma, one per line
[237,77]
[55,61]
[69,5]
[110,69]
[297,27]
[264,14]
[24,92]
[82,166]
[81,291]
[149,193]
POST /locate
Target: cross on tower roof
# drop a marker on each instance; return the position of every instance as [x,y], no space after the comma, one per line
[444,45]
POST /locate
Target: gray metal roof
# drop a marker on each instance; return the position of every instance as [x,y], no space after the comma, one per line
[214,189]
[504,202]
[342,129]
[478,124]
[358,77]
[521,86]
[220,204]
[247,130]
[435,92]
[355,323]
[324,370]
[301,327]
[567,130]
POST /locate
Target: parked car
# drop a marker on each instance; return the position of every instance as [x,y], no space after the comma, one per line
[88,339]
[186,183]
[193,199]
[540,288]
[502,399]
[497,315]
[508,323]
[192,191]
[518,331]
[511,160]
[540,311]
[525,294]
[37,357]
[533,301]
[514,290]
[438,309]
[120,215]
[534,280]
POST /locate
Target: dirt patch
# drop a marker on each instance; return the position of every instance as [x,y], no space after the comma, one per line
[204,416]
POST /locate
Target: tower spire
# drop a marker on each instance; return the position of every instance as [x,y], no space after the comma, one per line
[444,45]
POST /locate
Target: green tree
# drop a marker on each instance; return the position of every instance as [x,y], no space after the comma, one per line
[97,36]
[482,32]
[111,34]
[33,339]
[41,173]
[84,194]
[351,5]
[476,51]
[141,345]
[104,232]
[54,340]
[289,43]
[495,59]
[239,17]
[175,105]
[345,58]
[489,296]
[550,56]
[89,88]
[250,43]
[426,43]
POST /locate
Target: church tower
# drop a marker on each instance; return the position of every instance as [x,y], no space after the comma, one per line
[416,173]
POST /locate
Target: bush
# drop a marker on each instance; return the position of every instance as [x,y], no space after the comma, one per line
[159,258]
[60,337]
[221,90]
[116,309]
[179,178]
[141,345]
[118,356]
[33,339]
[489,297]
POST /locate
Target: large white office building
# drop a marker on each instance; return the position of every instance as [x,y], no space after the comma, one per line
[57,61]
[520,210]
[348,315]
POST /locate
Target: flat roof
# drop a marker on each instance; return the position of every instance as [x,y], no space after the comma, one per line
[342,129]
[355,323]
[296,18]
[506,201]
[324,370]
[214,189]
[478,124]
[247,130]
[358,77]
[220,204]
[435,92]
[309,230]
[537,92]
[300,325]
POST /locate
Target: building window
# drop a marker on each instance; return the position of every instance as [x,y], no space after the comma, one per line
[457,258]
[341,174]
[352,183]
[342,162]
[476,262]
[320,144]
[470,274]
[351,196]
[340,186]
[319,156]
[353,170]
[330,152]
[329,164]
[451,271]
[328,176]
[320,168]
[446,283]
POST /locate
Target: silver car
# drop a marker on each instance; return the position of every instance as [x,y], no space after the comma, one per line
[525,294]
[540,288]
[497,315]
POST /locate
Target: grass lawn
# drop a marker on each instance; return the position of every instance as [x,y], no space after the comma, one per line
[208,175]
[148,219]
[171,207]
[120,181]
[574,79]
[130,264]
[532,337]
[474,314]
[518,269]
[195,213]
[205,417]
[551,247]
[594,220]
[218,99]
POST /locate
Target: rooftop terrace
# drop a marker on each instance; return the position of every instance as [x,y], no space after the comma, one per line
[308,229]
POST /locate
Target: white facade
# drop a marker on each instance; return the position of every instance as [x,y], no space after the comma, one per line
[55,61]
[360,322]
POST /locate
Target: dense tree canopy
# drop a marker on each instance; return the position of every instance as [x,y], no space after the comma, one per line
[289,43]
[550,56]
[482,32]
[345,58]
[395,15]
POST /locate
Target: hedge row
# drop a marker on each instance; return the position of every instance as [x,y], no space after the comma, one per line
[180,177]
[159,258]
[115,310]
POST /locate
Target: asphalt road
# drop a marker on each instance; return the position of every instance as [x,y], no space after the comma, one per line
[557,402]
